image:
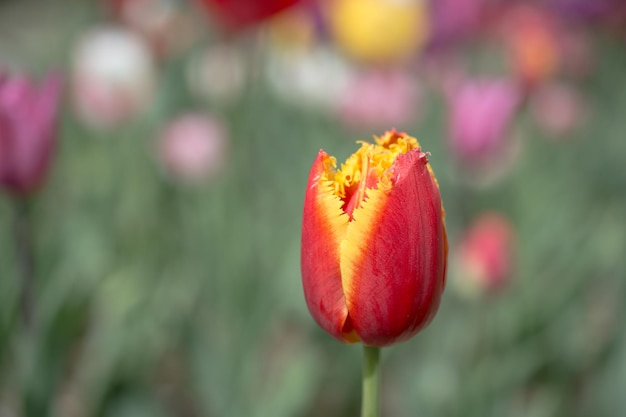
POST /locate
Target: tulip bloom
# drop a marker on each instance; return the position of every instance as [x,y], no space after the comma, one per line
[378,31]
[238,14]
[193,147]
[28,118]
[114,77]
[481,112]
[374,242]
[485,255]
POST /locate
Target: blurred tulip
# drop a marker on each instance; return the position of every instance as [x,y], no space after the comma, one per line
[531,36]
[481,112]
[378,30]
[316,78]
[558,109]
[218,74]
[380,98]
[192,147]
[484,259]
[296,28]
[454,20]
[239,14]
[28,123]
[166,25]
[374,243]
[113,77]
[611,13]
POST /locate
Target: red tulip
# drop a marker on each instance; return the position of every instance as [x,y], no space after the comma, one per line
[243,13]
[374,242]
[485,254]
[28,117]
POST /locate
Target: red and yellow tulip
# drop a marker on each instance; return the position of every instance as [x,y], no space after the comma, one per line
[374,242]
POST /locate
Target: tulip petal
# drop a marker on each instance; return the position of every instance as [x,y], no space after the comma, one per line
[323,229]
[388,300]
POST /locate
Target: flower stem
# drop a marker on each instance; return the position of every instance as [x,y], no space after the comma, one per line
[371,375]
[22,234]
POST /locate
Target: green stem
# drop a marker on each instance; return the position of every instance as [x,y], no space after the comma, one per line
[371,375]
[23,240]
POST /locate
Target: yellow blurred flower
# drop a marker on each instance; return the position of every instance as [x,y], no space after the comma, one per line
[378,30]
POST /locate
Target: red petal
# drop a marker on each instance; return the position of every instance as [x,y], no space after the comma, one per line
[242,13]
[393,257]
[323,228]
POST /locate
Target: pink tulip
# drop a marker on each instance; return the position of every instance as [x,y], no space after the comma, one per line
[377,98]
[28,119]
[484,260]
[193,147]
[558,109]
[481,112]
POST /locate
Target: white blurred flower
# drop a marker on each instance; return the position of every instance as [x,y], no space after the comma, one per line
[316,77]
[113,77]
[192,147]
[167,25]
[217,73]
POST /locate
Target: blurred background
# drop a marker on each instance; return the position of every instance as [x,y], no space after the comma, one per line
[150,215]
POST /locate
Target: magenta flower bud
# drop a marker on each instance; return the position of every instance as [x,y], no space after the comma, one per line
[481,112]
[28,121]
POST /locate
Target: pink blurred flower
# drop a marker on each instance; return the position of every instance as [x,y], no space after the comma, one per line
[192,147]
[481,112]
[28,122]
[558,109]
[484,260]
[113,77]
[378,98]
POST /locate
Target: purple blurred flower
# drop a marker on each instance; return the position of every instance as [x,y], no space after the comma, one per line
[454,20]
[481,112]
[596,11]
[28,119]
